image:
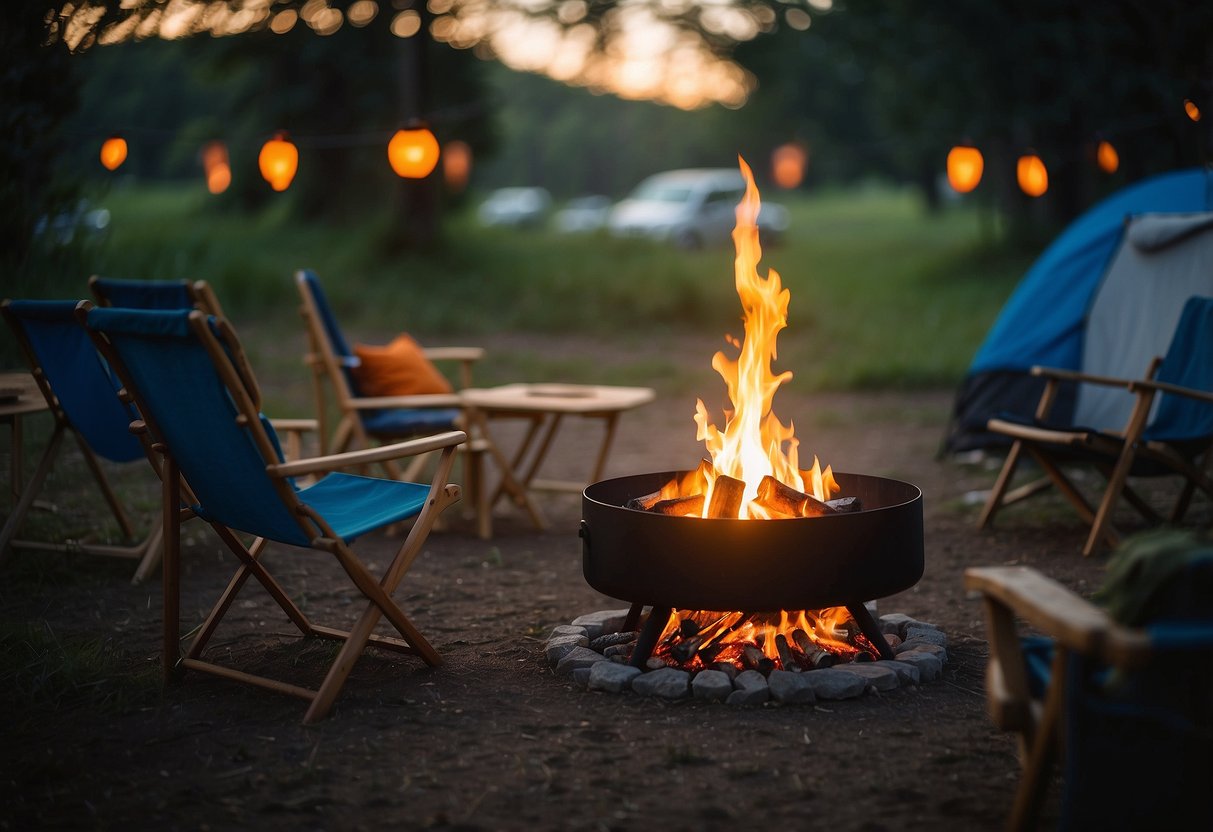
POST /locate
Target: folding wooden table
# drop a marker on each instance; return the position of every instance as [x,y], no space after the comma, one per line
[19,396]
[545,406]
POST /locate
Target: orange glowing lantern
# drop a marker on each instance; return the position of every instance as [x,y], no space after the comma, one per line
[1107,157]
[1032,175]
[788,163]
[413,153]
[278,160]
[1191,109]
[457,165]
[217,167]
[965,166]
[113,152]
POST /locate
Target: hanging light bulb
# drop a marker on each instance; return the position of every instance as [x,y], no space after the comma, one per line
[1191,109]
[413,152]
[1032,175]
[217,167]
[457,165]
[788,163]
[965,166]
[278,160]
[113,152]
[1107,157]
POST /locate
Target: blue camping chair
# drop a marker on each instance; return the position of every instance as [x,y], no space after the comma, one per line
[155,294]
[1120,694]
[81,394]
[188,377]
[1168,433]
[364,421]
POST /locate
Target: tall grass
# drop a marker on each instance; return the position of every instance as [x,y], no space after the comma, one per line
[882,293]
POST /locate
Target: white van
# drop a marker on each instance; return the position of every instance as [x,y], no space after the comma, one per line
[691,208]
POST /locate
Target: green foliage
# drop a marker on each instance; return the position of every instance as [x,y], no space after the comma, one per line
[882,293]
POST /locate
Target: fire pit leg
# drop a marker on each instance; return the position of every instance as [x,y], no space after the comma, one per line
[633,618]
[869,628]
[647,640]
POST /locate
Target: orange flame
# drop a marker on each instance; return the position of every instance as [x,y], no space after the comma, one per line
[754,443]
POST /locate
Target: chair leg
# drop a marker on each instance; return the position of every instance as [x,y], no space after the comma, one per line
[30,491]
[1101,527]
[1042,753]
[170,578]
[994,501]
[128,530]
[153,551]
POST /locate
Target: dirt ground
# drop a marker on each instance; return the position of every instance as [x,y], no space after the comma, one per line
[493,739]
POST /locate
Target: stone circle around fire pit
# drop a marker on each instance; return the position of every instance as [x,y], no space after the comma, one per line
[594,654]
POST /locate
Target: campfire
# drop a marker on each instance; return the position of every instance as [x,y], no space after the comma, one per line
[749,561]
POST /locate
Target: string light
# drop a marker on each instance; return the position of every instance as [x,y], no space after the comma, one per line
[278,160]
[1032,175]
[113,152]
[1107,157]
[965,166]
[413,153]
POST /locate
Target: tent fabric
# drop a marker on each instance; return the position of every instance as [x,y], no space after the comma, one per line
[1044,320]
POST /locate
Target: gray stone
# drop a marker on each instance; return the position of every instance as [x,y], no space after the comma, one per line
[566,630]
[907,673]
[929,667]
[560,646]
[603,621]
[835,683]
[877,674]
[931,635]
[713,685]
[668,683]
[612,677]
[750,680]
[895,622]
[618,650]
[581,676]
[917,646]
[748,696]
[790,687]
[578,657]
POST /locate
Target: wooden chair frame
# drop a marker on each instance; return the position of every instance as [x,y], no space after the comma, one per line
[232,367]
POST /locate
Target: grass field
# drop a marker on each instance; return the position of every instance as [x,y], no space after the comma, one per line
[882,293]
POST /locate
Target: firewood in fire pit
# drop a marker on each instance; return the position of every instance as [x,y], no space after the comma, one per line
[783,499]
[726,497]
[753,659]
[644,503]
[680,506]
[814,655]
[845,504]
[786,657]
[684,651]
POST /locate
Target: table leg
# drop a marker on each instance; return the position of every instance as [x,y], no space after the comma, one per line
[607,439]
[509,483]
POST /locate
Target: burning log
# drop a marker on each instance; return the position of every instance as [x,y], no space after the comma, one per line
[786,657]
[726,497]
[753,659]
[679,506]
[814,655]
[785,500]
[684,651]
[644,503]
[845,504]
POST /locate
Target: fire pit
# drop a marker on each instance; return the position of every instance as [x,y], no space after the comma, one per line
[768,565]
[752,566]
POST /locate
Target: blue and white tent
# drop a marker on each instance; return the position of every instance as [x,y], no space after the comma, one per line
[1128,265]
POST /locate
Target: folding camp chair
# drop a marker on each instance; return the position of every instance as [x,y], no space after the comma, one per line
[193,387]
[1168,433]
[365,420]
[1120,694]
[81,394]
[155,294]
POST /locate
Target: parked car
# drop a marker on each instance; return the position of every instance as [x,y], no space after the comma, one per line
[583,213]
[516,207]
[691,208]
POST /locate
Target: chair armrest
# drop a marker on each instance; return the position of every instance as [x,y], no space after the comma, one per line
[366,456]
[1074,375]
[295,425]
[393,402]
[453,353]
[1174,389]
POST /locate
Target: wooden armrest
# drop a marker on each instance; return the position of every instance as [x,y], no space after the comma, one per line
[392,402]
[1164,387]
[1074,375]
[295,425]
[1035,434]
[366,456]
[453,353]
[1043,603]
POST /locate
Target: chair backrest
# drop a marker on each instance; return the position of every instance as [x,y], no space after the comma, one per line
[77,382]
[327,339]
[154,294]
[1188,363]
[188,377]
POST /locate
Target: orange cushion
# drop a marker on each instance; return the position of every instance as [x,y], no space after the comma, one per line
[397,369]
